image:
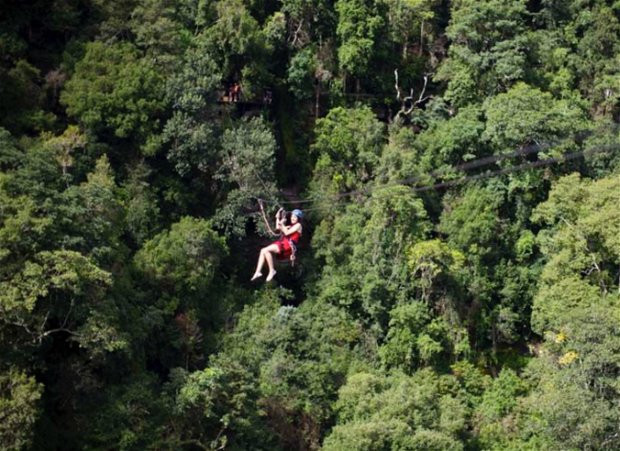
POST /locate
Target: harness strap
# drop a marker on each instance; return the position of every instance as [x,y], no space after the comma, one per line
[290,242]
[293,250]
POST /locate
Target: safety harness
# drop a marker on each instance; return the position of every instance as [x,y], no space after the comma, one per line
[279,214]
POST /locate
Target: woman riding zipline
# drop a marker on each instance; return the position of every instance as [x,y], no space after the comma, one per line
[284,248]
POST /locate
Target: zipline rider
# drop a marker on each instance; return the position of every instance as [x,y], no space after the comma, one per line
[284,248]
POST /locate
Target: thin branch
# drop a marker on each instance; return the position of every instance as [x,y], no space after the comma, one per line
[296,34]
[422,98]
[42,327]
[396,84]
[64,322]
[404,110]
[219,434]
[59,329]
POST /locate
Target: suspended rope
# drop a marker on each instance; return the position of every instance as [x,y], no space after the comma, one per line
[484,161]
[262,210]
[460,181]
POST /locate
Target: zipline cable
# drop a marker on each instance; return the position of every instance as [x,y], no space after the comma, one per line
[534,164]
[533,148]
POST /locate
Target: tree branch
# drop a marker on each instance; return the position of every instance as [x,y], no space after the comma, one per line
[406,110]
[296,33]
[396,85]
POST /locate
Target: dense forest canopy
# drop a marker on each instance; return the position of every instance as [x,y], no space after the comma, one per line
[457,285]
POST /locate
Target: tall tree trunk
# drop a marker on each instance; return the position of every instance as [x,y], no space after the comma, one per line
[421,38]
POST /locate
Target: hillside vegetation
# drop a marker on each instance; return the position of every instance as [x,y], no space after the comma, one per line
[457,286]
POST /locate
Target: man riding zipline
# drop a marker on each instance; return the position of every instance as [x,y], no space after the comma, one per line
[285,247]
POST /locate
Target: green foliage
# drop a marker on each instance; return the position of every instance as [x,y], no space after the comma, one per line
[190,132]
[183,260]
[22,99]
[451,142]
[429,260]
[348,145]
[162,29]
[407,17]
[397,412]
[238,44]
[476,238]
[301,73]
[576,394]
[247,166]
[129,417]
[580,245]
[9,152]
[489,47]
[19,408]
[65,271]
[20,213]
[360,23]
[93,215]
[280,366]
[142,210]
[364,249]
[525,115]
[114,89]
[479,314]
[412,339]
[573,390]
[497,406]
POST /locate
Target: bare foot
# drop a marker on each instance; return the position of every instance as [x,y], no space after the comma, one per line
[271,275]
[256,276]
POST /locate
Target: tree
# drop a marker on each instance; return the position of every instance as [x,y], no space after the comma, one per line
[22,105]
[274,382]
[114,90]
[414,338]
[58,293]
[526,115]
[580,244]
[488,51]
[183,261]
[19,409]
[347,145]
[451,142]
[301,73]
[247,170]
[397,412]
[408,22]
[163,29]
[64,146]
[573,398]
[360,23]
[92,216]
[307,21]
[191,134]
[499,406]
[142,216]
[364,252]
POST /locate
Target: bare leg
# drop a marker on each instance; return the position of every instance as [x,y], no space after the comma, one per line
[272,272]
[265,255]
[272,249]
[259,265]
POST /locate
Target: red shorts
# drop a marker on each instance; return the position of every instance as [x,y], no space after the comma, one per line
[284,246]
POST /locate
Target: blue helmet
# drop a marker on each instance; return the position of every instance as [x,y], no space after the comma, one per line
[297,212]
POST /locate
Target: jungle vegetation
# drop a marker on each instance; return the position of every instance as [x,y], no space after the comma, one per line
[436,303]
